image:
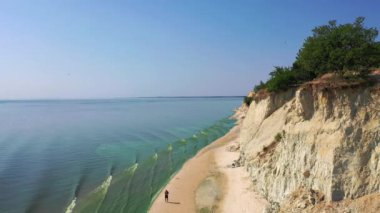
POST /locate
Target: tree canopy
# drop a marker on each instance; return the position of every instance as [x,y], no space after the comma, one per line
[340,48]
[346,49]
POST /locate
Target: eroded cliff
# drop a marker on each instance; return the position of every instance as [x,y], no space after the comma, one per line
[319,138]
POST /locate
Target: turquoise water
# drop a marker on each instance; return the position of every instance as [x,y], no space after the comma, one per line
[100,155]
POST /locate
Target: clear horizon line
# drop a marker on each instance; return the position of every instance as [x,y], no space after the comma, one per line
[103,98]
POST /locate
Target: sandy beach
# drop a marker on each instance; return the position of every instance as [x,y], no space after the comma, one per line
[208,183]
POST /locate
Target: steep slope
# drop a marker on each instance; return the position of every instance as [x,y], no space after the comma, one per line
[322,138]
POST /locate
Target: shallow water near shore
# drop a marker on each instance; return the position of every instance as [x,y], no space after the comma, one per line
[100,155]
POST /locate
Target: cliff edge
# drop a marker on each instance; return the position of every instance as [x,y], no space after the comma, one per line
[314,145]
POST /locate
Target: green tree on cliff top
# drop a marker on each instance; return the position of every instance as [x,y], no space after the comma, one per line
[347,49]
[339,48]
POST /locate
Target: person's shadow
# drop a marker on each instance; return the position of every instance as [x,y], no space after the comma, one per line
[171,202]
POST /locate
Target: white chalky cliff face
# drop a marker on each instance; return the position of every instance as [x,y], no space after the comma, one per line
[327,140]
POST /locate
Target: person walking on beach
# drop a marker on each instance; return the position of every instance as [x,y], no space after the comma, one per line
[166,196]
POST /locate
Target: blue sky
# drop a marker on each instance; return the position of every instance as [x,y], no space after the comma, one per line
[106,49]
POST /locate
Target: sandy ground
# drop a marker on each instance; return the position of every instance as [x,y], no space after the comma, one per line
[206,181]
[238,193]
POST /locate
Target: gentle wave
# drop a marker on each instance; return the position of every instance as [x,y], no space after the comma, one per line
[134,189]
[71,207]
